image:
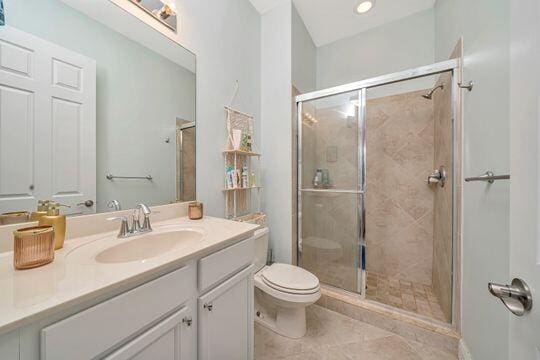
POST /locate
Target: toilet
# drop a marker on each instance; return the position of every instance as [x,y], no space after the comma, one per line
[282,292]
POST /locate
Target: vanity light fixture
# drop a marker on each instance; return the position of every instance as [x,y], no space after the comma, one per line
[167,10]
[162,10]
[364,6]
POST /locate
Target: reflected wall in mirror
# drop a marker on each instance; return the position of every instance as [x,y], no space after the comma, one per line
[88,90]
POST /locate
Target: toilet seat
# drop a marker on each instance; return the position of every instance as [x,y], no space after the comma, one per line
[290,279]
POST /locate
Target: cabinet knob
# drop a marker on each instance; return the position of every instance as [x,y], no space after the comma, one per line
[187,320]
[208,306]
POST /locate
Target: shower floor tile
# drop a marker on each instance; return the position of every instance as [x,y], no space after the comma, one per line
[402,294]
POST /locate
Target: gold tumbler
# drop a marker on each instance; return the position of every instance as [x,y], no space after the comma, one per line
[195,210]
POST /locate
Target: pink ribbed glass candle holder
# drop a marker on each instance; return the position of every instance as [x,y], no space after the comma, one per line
[33,247]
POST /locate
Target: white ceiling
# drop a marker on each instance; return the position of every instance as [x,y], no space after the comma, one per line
[331,20]
[263,6]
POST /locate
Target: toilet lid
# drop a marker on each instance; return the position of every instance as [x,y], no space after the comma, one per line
[289,277]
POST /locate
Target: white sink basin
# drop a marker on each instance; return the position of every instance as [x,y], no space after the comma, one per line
[111,250]
[148,246]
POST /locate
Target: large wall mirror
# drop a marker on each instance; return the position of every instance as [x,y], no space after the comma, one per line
[95,105]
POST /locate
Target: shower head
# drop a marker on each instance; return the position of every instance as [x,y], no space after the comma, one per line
[429,95]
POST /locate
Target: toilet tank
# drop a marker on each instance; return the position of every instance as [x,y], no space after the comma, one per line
[261,247]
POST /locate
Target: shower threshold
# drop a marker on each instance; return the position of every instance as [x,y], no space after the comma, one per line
[405,323]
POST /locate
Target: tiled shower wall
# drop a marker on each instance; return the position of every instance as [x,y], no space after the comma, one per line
[399,203]
[185,162]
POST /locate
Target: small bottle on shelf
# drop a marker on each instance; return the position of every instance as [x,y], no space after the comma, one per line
[245,183]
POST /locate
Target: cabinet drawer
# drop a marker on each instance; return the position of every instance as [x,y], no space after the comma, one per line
[97,329]
[220,265]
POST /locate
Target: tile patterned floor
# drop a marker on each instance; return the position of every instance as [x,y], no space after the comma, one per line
[332,336]
[403,294]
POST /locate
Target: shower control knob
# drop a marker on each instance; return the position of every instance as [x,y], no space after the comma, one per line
[438,176]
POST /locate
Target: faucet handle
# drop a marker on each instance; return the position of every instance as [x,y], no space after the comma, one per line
[146,222]
[124,227]
[135,222]
[114,204]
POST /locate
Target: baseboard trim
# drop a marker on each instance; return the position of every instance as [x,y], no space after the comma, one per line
[463,351]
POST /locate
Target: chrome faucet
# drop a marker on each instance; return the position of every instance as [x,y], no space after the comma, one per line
[136,227]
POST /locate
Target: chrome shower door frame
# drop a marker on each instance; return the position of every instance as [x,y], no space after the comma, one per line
[362,86]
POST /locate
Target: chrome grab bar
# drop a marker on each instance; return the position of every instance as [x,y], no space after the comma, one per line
[111,177]
[488,176]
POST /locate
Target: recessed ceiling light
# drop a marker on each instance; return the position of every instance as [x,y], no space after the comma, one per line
[364,6]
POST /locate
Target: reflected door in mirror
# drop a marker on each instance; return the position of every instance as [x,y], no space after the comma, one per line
[47,122]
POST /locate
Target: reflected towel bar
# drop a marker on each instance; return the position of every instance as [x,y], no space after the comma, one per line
[111,177]
[488,176]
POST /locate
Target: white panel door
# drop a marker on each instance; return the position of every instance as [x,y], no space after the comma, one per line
[226,320]
[73,128]
[23,164]
[525,165]
[47,124]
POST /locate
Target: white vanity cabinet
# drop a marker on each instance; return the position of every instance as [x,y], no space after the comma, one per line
[200,310]
[226,319]
[225,306]
[142,319]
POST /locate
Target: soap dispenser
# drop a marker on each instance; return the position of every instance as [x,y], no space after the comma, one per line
[57,221]
[41,210]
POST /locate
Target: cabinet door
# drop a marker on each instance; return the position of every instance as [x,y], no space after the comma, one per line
[170,339]
[226,319]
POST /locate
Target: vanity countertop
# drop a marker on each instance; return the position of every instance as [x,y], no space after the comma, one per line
[26,295]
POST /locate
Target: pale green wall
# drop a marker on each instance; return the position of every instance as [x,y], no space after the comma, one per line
[304,55]
[399,45]
[139,96]
[485,27]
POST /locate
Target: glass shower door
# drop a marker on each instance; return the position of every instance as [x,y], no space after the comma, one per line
[329,190]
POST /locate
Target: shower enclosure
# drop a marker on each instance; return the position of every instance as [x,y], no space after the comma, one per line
[375,188]
[185,160]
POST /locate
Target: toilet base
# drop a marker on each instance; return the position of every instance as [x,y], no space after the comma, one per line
[288,322]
